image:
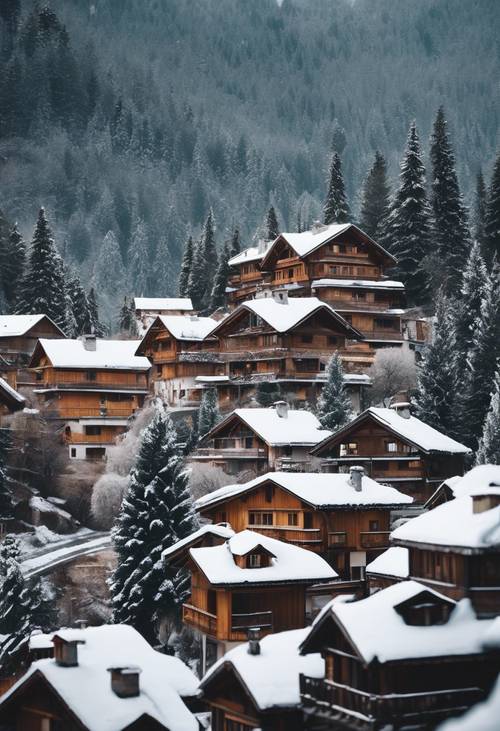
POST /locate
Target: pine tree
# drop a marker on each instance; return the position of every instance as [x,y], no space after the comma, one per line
[336,208]
[197,282]
[480,203]
[408,233]
[13,262]
[218,297]
[235,247]
[451,233]
[492,218]
[208,414]
[187,261]
[43,288]
[375,204]
[436,375]
[80,305]
[334,408]
[267,393]
[272,226]
[163,279]
[488,451]
[209,250]
[95,325]
[6,505]
[140,265]
[109,273]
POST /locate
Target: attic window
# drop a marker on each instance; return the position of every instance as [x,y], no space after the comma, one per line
[254,561]
[349,449]
[391,447]
[425,610]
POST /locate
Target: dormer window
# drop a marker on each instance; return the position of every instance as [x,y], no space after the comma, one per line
[425,609]
[254,561]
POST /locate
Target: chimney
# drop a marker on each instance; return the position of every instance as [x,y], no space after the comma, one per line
[66,651]
[317,227]
[356,477]
[81,623]
[193,318]
[89,342]
[253,641]
[281,409]
[402,408]
[280,296]
[125,681]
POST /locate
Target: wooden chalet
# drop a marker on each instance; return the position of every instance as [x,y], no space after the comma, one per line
[344,518]
[19,335]
[10,399]
[147,309]
[260,440]
[388,568]
[394,447]
[340,264]
[480,476]
[92,387]
[405,657]
[250,580]
[181,351]
[102,679]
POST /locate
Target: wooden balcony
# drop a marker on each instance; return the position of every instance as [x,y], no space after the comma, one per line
[309,537]
[243,622]
[76,438]
[324,697]
[337,538]
[199,619]
[81,412]
[375,538]
[381,334]
[230,453]
[92,385]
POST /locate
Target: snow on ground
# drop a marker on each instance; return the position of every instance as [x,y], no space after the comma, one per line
[49,559]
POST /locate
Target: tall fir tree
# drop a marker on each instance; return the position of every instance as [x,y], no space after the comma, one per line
[43,289]
[376,199]
[109,273]
[139,262]
[186,264]
[272,225]
[235,246]
[436,384]
[408,233]
[163,279]
[208,413]
[480,204]
[451,235]
[197,282]
[96,326]
[13,263]
[209,250]
[492,217]
[6,504]
[488,451]
[218,296]
[80,305]
[334,407]
[336,208]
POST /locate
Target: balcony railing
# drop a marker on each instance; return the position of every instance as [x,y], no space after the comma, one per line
[240,622]
[288,464]
[375,538]
[337,538]
[324,694]
[84,385]
[230,452]
[104,438]
[199,618]
[80,412]
[289,534]
[382,334]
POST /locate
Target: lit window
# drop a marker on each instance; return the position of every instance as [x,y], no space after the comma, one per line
[391,447]
[349,449]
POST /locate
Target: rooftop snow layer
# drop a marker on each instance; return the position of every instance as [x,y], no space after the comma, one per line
[392,562]
[112,354]
[306,241]
[272,677]
[188,327]
[298,428]
[291,563]
[479,477]
[11,391]
[223,531]
[282,316]
[363,283]
[156,304]
[252,253]
[321,489]
[13,325]
[163,680]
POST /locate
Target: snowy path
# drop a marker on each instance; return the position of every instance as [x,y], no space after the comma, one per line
[55,555]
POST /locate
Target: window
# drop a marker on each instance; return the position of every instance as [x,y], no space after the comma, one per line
[269,340]
[308,520]
[332,340]
[307,338]
[93,430]
[258,518]
[374,525]
[248,441]
[91,376]
[351,448]
[385,323]
[414,464]
[39,375]
[290,273]
[334,270]
[358,295]
[391,447]
[73,451]
[158,370]
[293,518]
[254,561]
[212,601]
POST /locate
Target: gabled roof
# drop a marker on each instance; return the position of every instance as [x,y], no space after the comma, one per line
[109,354]
[17,325]
[298,428]
[180,327]
[480,476]
[164,680]
[223,531]
[392,562]
[283,316]
[462,634]
[290,565]
[317,489]
[410,430]
[272,677]
[163,303]
[252,253]
[10,397]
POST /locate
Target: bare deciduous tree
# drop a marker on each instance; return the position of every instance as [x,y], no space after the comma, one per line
[393,371]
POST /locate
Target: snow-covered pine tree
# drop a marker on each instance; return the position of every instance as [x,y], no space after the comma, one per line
[272,225]
[42,289]
[408,233]
[197,282]
[235,246]
[480,203]
[436,384]
[450,227]
[96,326]
[376,199]
[109,273]
[6,506]
[334,408]
[336,208]
[187,260]
[492,218]
[267,393]
[208,413]
[218,297]
[209,254]
[488,451]
[139,260]
[162,279]
[125,317]
[13,265]
[80,304]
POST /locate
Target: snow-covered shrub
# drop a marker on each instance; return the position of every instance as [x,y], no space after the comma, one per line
[107,495]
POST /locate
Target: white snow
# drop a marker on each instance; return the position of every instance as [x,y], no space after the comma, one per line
[40,641]
[252,253]
[188,327]
[298,428]
[16,325]
[220,530]
[461,635]
[392,562]
[109,354]
[272,678]
[212,379]
[481,717]
[479,477]
[454,524]
[290,563]
[160,304]
[10,391]
[163,680]
[360,283]
[320,489]
[282,316]
[307,241]
[44,506]
[39,564]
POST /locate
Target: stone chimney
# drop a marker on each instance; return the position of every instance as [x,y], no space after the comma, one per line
[66,651]
[281,409]
[125,681]
[253,641]
[356,477]
[280,296]
[402,408]
[89,341]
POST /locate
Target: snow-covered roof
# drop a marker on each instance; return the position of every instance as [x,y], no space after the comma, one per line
[320,489]
[272,678]
[392,562]
[410,429]
[163,680]
[112,354]
[462,634]
[454,525]
[16,325]
[297,428]
[361,283]
[188,327]
[11,392]
[479,477]
[157,304]
[481,717]
[252,253]
[289,563]
[220,530]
